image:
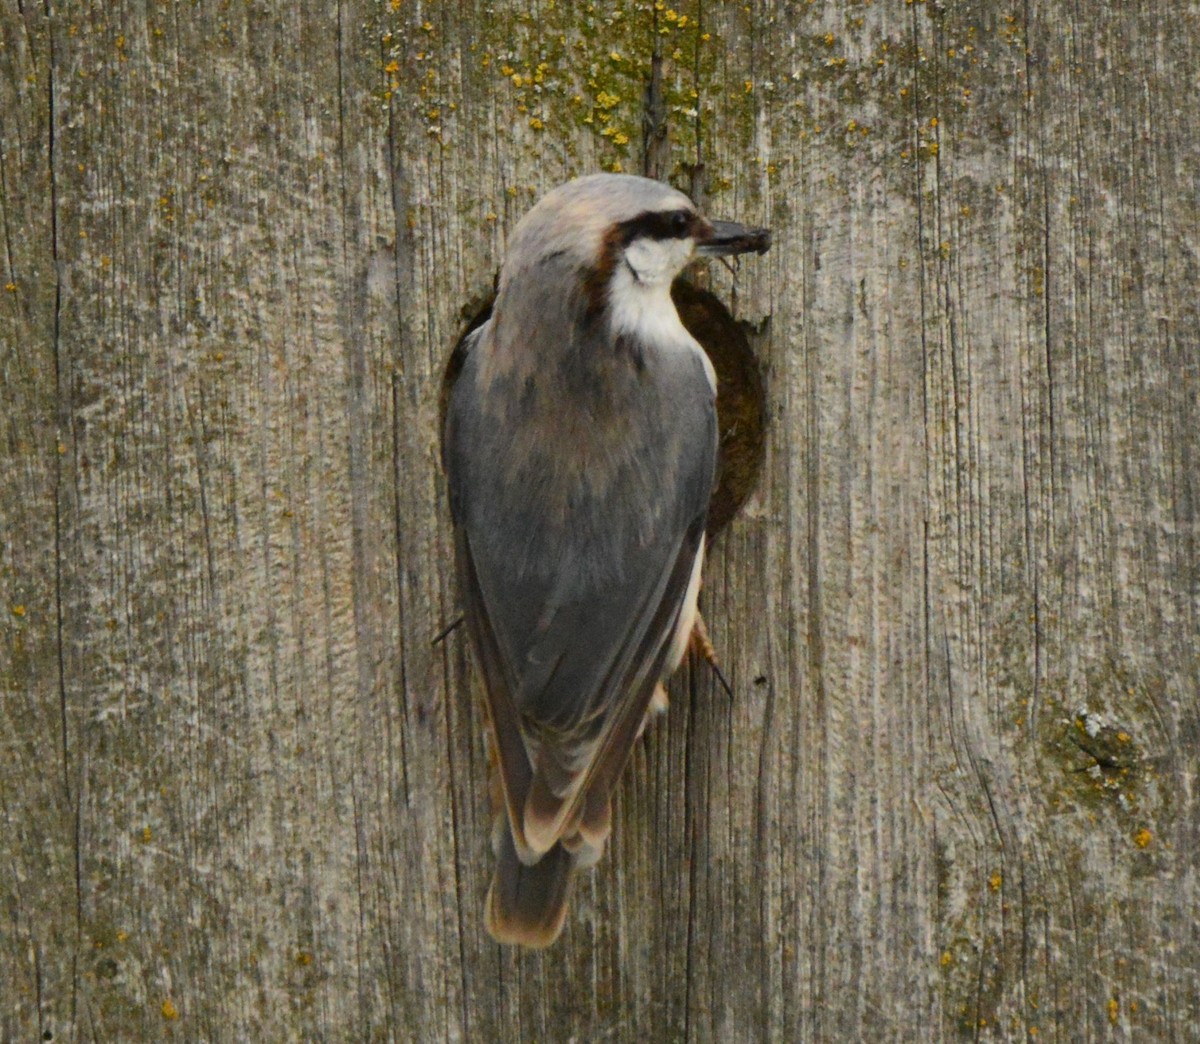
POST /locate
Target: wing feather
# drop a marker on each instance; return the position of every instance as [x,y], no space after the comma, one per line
[549,811]
[504,723]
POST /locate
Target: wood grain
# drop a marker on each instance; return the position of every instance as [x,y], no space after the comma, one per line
[243,793]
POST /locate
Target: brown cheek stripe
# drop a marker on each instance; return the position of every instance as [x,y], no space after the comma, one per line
[597,278]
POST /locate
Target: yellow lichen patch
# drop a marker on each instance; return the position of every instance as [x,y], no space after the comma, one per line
[18,610]
[11,287]
[1142,838]
[995,881]
[946,959]
[1114,1010]
[169,1011]
[147,834]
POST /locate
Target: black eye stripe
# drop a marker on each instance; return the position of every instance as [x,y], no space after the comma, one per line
[658,224]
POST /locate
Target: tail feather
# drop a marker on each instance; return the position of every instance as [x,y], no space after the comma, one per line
[526,905]
[594,827]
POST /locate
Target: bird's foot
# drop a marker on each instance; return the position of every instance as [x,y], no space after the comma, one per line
[702,646]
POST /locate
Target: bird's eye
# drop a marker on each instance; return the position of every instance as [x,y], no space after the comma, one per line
[681,220]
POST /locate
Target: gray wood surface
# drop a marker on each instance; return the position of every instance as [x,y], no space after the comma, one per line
[242,795]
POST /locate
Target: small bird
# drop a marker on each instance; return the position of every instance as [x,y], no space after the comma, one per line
[580,446]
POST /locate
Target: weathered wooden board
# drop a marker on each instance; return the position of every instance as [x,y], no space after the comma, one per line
[242,794]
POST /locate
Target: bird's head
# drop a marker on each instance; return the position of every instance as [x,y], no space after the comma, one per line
[621,240]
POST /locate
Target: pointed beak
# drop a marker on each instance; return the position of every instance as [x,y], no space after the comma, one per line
[728,237]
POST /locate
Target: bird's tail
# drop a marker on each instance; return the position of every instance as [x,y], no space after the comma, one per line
[526,905]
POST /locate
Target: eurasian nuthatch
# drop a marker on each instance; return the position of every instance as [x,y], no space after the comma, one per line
[580,446]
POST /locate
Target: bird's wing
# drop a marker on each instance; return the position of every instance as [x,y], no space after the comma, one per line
[575,557]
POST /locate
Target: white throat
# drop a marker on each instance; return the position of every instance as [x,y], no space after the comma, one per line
[644,311]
